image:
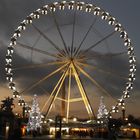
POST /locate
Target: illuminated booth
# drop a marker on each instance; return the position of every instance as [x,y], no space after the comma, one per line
[131,130]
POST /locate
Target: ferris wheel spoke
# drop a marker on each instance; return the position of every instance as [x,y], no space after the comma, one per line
[107,55]
[59,31]
[38,65]
[48,39]
[100,41]
[83,93]
[69,93]
[96,32]
[95,82]
[73,31]
[59,85]
[88,31]
[36,50]
[34,46]
[112,73]
[43,79]
[51,95]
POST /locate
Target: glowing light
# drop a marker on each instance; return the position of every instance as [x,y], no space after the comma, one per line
[80,6]
[123,34]
[71,5]
[88,8]
[112,21]
[8,58]
[102,111]
[96,11]
[64,119]
[35,116]
[29,20]
[75,119]
[129,124]
[15,94]
[126,119]
[7,131]
[118,27]
[105,15]
[69,92]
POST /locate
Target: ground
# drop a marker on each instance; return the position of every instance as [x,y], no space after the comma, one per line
[47,138]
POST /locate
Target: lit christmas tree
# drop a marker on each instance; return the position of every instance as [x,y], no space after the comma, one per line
[102,111]
[34,122]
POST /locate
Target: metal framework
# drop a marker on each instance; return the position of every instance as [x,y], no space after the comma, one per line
[70,61]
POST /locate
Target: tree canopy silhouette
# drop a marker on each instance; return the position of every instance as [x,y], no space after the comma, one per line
[7,104]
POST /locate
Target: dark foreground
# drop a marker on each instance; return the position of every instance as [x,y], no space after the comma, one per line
[67,138]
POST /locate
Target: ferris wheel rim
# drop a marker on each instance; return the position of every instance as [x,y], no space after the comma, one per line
[86,7]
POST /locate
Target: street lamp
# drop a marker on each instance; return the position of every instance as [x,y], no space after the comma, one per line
[129,124]
[64,119]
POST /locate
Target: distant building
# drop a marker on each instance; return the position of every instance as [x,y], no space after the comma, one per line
[131,130]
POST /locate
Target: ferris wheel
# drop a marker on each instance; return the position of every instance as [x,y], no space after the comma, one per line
[70,54]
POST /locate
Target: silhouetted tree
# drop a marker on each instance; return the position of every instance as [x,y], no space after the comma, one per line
[7,104]
[136,121]
[7,117]
[131,118]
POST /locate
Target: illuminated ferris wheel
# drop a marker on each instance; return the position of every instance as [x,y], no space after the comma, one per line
[70,54]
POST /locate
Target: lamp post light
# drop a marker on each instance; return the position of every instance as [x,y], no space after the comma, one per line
[7,130]
[75,119]
[129,124]
[126,119]
[64,119]
[123,112]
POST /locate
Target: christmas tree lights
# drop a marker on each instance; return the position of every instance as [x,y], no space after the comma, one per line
[102,111]
[34,122]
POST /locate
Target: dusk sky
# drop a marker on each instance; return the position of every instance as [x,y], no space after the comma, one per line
[12,12]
